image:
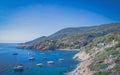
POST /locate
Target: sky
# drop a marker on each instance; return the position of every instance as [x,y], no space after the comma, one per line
[24,20]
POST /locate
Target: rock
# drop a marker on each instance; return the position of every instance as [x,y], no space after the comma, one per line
[106,61]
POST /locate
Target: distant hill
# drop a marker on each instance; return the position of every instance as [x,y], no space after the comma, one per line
[34,41]
[73,38]
[82,30]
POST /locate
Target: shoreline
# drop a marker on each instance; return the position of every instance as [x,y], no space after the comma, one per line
[22,47]
[81,68]
[68,49]
[87,59]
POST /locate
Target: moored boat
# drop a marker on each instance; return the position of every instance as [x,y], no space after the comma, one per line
[39,64]
[19,68]
[50,62]
[31,58]
[61,59]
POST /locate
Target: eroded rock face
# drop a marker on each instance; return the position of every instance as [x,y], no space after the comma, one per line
[82,56]
[82,67]
[106,61]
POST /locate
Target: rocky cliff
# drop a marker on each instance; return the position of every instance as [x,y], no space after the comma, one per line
[99,59]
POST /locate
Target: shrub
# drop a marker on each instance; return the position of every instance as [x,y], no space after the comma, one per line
[117,67]
[118,45]
[101,73]
[112,52]
[101,56]
[108,39]
[97,66]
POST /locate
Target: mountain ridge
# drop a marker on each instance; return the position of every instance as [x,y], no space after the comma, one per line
[73,37]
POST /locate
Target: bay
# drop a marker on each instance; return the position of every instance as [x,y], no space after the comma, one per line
[8,61]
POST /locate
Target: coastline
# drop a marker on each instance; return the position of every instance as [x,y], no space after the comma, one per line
[69,49]
[81,68]
[87,59]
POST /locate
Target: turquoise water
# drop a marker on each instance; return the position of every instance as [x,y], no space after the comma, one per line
[8,61]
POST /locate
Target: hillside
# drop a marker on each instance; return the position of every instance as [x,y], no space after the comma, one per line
[73,38]
[83,30]
[100,59]
[34,41]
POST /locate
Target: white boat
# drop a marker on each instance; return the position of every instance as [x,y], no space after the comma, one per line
[31,58]
[19,68]
[61,59]
[39,64]
[50,62]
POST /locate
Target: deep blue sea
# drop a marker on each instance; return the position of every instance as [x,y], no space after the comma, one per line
[8,61]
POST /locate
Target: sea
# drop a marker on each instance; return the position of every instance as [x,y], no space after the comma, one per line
[8,61]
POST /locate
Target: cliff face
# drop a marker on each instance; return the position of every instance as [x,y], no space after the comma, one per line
[72,38]
[100,59]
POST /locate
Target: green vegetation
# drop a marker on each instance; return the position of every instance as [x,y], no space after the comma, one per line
[101,73]
[99,64]
[109,51]
[118,45]
[108,39]
[97,67]
[101,56]
[117,67]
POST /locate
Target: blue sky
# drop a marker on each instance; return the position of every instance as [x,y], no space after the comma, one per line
[24,20]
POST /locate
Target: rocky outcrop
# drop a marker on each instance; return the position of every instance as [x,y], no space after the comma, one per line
[82,67]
